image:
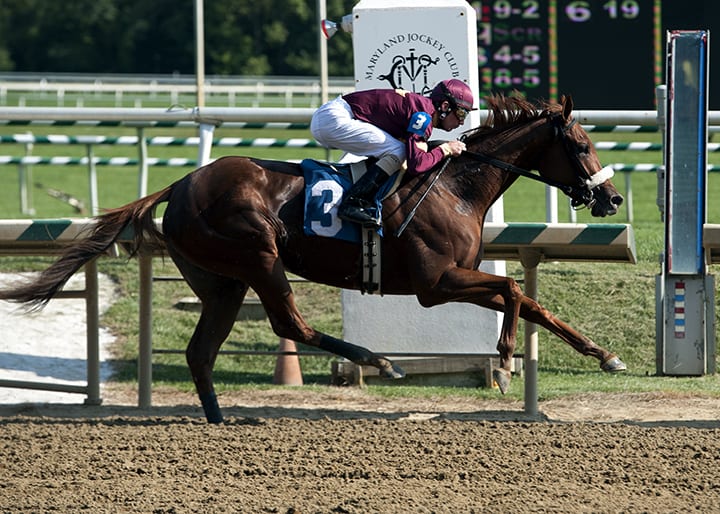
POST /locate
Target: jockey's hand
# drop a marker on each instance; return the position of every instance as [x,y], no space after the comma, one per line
[453,148]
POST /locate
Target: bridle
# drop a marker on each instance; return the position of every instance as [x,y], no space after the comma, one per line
[581,195]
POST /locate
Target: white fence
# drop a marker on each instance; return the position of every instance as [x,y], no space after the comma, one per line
[209,117]
[137,90]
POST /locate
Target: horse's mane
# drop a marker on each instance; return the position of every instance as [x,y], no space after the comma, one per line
[509,111]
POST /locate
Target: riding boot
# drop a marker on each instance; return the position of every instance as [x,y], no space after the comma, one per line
[359,205]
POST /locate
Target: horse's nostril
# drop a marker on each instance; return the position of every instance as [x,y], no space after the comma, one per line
[617,200]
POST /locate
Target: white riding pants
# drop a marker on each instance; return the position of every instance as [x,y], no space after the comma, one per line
[334,126]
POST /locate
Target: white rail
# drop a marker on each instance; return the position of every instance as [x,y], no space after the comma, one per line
[260,89]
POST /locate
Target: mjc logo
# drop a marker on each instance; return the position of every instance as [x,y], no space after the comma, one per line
[413,61]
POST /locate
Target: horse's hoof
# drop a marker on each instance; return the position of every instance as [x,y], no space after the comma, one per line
[502,378]
[212,409]
[394,372]
[613,364]
[389,369]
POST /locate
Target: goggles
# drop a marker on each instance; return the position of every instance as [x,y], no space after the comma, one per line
[461,113]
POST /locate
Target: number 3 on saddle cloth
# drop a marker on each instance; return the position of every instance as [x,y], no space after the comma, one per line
[325,185]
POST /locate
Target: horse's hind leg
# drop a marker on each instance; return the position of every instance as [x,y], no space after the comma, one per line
[221,299]
[278,300]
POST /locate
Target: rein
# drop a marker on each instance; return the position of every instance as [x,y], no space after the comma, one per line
[506,166]
[411,214]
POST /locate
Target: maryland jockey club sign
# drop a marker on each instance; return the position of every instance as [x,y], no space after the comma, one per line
[413,45]
[441,43]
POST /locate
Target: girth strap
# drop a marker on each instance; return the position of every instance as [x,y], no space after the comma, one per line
[371,262]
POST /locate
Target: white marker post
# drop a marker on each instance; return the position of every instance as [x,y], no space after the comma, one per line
[413,45]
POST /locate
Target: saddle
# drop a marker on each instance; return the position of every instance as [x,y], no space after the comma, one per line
[325,185]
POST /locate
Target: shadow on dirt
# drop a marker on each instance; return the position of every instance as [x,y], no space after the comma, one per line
[50,414]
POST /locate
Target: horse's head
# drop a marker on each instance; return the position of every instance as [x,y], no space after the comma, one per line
[573,161]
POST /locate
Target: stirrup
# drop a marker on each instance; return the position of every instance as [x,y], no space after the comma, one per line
[358,214]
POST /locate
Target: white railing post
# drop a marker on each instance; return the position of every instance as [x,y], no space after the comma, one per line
[142,157]
[145,329]
[92,181]
[628,197]
[530,260]
[25,181]
[92,316]
[205,145]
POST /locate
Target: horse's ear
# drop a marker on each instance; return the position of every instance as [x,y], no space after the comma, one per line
[567,105]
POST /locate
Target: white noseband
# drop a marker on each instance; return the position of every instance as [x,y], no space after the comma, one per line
[601,176]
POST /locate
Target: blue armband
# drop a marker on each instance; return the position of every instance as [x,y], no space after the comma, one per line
[419,122]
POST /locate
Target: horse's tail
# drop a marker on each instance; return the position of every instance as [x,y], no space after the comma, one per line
[108,227]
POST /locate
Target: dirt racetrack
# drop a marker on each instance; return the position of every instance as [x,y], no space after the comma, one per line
[288,450]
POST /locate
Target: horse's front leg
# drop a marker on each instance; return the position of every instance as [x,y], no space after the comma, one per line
[512,297]
[480,288]
[535,313]
[532,311]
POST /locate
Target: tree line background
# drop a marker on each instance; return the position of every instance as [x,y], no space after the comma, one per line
[242,37]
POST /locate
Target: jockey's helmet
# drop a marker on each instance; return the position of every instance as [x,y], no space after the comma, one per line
[454,91]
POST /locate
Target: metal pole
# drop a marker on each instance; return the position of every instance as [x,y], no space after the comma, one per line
[92,182]
[199,53]
[205,130]
[551,205]
[22,182]
[629,197]
[145,335]
[322,14]
[92,313]
[142,156]
[530,260]
[205,143]
[322,42]
[25,170]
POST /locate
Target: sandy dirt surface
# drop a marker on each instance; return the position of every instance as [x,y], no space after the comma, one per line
[294,450]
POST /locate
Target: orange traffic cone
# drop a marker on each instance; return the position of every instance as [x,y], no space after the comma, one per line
[287,367]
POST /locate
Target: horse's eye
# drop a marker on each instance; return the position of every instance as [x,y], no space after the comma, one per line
[583,148]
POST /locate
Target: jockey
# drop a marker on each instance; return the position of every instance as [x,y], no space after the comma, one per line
[393,126]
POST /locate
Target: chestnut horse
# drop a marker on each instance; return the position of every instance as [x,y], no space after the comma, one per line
[238,223]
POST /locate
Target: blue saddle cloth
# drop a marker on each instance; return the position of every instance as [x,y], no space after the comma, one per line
[325,186]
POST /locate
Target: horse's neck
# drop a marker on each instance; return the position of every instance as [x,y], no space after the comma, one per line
[519,146]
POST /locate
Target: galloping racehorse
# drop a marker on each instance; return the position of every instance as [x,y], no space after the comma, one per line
[238,223]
